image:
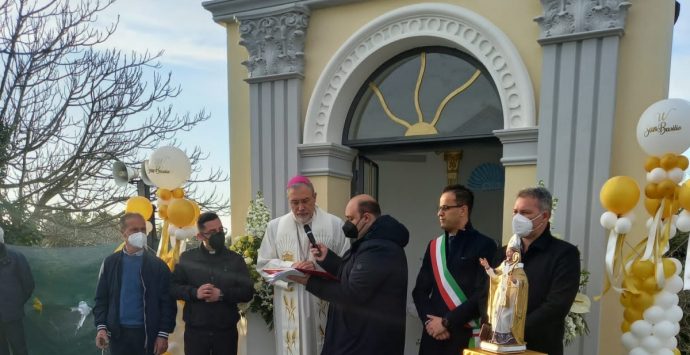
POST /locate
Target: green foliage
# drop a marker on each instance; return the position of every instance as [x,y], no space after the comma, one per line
[248,246]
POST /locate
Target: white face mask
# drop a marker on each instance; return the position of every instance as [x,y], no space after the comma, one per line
[137,240]
[522,226]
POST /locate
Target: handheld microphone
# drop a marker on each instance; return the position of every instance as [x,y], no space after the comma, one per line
[312,240]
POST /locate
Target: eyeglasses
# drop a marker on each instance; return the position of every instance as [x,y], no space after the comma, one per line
[445,208]
[212,232]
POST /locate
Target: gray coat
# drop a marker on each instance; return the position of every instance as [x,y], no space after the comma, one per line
[16,284]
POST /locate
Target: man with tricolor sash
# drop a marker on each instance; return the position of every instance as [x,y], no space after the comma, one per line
[451,284]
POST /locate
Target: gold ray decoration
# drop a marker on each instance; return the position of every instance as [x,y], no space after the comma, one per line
[422,127]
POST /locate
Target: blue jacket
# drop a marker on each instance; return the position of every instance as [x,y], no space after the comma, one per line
[16,284]
[159,307]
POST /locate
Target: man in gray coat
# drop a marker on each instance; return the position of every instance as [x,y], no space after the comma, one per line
[16,286]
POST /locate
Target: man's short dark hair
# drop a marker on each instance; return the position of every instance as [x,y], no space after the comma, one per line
[463,195]
[369,206]
[123,220]
[205,217]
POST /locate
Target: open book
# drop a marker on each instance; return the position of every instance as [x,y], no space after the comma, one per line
[282,274]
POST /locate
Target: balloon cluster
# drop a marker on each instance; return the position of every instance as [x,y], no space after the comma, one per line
[651,313]
[647,282]
[142,206]
[180,212]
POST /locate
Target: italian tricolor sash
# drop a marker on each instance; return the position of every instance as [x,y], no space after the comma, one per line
[450,291]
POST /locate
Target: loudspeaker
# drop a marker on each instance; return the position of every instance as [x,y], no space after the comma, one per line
[143,175]
[122,174]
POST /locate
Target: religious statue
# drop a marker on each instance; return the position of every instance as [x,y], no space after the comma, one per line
[507,306]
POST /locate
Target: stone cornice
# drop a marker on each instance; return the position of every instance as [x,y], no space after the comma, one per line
[230,10]
[275,41]
[568,20]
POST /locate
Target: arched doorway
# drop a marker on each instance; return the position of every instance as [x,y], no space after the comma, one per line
[408,134]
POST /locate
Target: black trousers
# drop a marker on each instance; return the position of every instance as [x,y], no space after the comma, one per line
[132,341]
[199,341]
[12,336]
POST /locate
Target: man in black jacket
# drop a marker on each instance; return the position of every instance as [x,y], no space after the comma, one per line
[134,312]
[16,286]
[450,287]
[552,267]
[367,310]
[212,280]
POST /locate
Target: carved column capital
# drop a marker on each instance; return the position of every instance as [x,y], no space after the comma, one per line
[275,42]
[575,19]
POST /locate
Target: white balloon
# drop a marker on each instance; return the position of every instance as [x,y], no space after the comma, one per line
[683,223]
[653,314]
[171,230]
[641,328]
[673,284]
[631,216]
[676,328]
[672,233]
[676,175]
[671,343]
[657,175]
[674,314]
[663,351]
[180,234]
[663,329]
[666,300]
[149,227]
[664,127]
[190,231]
[679,266]
[168,167]
[639,351]
[629,341]
[651,343]
[608,220]
[623,225]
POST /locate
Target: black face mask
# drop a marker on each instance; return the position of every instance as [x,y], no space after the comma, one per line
[350,230]
[217,241]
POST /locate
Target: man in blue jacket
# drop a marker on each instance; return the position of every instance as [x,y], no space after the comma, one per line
[366,315]
[134,312]
[16,286]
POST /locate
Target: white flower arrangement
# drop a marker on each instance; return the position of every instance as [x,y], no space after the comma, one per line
[247,246]
[575,322]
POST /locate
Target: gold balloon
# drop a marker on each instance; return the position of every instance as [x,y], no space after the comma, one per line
[668,161]
[163,212]
[625,326]
[164,194]
[651,190]
[619,194]
[651,205]
[649,284]
[682,162]
[178,193]
[651,163]
[197,210]
[180,212]
[666,188]
[642,268]
[641,301]
[140,205]
[631,315]
[626,298]
[684,196]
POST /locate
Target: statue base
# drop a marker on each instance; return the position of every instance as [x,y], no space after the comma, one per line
[478,351]
[502,349]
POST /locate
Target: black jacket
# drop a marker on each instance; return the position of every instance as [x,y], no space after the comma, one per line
[464,266]
[16,284]
[553,271]
[227,271]
[159,308]
[367,310]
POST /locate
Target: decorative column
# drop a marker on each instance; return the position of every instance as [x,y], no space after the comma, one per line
[580,41]
[275,42]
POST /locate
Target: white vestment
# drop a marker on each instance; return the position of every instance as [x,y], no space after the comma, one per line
[299,318]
